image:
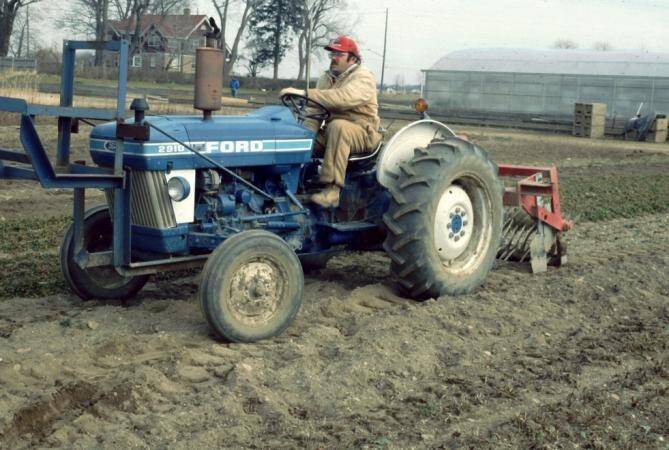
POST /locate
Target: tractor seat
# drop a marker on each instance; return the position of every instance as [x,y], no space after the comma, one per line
[360,157]
[363,161]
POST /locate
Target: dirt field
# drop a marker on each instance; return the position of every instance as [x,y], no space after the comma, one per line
[576,357]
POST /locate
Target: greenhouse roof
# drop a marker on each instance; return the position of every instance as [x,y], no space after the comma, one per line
[557,61]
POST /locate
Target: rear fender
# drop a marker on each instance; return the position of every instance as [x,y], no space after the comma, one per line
[401,147]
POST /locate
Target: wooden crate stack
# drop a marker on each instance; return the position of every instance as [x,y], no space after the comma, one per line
[589,119]
[658,130]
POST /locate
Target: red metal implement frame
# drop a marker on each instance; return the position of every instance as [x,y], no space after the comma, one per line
[525,193]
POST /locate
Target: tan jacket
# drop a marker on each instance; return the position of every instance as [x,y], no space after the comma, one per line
[351,97]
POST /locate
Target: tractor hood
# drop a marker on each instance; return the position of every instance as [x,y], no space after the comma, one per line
[267,136]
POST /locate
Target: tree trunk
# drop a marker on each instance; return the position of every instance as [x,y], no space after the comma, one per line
[139,9]
[234,51]
[101,15]
[301,44]
[224,22]
[277,41]
[19,46]
[7,15]
[98,21]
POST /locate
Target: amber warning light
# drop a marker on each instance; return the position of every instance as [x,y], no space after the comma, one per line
[420,105]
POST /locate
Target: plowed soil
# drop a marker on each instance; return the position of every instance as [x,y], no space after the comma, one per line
[575,357]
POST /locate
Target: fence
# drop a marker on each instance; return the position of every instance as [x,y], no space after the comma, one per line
[18,64]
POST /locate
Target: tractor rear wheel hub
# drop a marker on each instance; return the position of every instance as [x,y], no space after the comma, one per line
[452,231]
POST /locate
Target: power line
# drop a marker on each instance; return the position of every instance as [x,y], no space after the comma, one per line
[368,13]
[372,51]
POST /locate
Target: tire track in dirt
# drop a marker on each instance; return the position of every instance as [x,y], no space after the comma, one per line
[35,422]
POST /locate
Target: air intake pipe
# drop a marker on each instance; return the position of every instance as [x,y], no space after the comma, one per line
[209,73]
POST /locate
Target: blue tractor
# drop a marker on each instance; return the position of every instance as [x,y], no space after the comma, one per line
[232,193]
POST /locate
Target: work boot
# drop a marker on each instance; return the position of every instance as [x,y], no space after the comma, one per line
[328,197]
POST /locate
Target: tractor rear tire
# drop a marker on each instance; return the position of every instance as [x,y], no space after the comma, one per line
[103,283]
[251,287]
[444,220]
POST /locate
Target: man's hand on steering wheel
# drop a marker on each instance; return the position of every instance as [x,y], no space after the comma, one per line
[302,106]
[293,91]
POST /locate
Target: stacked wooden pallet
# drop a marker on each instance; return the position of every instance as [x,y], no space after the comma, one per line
[658,130]
[589,119]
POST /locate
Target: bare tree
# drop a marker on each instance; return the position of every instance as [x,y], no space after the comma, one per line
[602,46]
[324,18]
[165,7]
[223,8]
[567,44]
[139,9]
[88,17]
[135,10]
[8,11]
[19,35]
[122,9]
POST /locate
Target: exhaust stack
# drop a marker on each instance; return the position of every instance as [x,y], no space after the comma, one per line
[209,74]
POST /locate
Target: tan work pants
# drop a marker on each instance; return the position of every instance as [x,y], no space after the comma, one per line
[340,139]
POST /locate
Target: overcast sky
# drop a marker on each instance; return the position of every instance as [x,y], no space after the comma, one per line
[422,31]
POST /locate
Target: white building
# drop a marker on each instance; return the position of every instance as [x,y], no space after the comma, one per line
[548,82]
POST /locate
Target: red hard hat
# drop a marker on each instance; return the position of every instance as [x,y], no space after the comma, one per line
[343,44]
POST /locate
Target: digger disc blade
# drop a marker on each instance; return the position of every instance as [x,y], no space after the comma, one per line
[525,239]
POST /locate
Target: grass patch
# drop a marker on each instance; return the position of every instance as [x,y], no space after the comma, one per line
[31,275]
[29,257]
[599,198]
[32,235]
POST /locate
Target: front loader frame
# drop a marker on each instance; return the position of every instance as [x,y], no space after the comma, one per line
[77,175]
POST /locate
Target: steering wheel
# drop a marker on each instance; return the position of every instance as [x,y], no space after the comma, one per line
[300,106]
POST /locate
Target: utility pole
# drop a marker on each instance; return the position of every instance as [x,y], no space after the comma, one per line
[383,63]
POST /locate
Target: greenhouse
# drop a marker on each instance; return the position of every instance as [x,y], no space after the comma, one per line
[548,82]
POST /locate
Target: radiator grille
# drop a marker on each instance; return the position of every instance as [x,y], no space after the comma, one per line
[151,204]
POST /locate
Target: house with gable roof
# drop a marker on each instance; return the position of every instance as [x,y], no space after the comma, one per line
[167,42]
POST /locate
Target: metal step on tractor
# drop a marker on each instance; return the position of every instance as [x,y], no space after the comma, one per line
[231,193]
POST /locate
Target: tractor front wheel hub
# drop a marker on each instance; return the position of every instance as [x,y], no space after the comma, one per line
[256,291]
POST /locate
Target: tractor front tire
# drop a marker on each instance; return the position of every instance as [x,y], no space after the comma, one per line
[103,283]
[251,287]
[445,220]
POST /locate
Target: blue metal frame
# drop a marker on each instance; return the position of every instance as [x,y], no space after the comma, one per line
[77,177]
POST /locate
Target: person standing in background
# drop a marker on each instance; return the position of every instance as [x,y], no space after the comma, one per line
[234,87]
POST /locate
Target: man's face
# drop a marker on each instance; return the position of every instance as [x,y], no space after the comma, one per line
[339,62]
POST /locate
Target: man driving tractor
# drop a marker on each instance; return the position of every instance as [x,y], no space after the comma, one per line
[348,91]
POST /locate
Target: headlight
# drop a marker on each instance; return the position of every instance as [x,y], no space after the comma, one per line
[178,188]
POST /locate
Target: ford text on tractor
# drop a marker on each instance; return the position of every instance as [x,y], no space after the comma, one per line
[231,193]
